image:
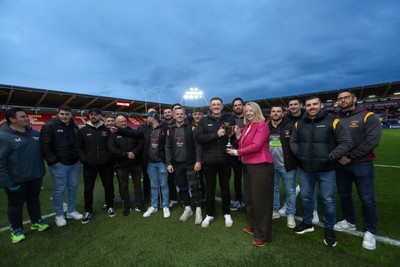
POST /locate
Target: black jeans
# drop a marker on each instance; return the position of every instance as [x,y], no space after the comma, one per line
[123,177]
[237,167]
[28,193]
[106,173]
[210,174]
[187,178]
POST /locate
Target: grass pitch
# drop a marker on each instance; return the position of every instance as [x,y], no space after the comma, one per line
[155,241]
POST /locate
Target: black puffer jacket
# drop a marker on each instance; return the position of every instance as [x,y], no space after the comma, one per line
[213,147]
[57,142]
[92,145]
[120,145]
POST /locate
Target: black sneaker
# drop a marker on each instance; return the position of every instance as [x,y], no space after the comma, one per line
[303,228]
[140,209]
[127,211]
[111,212]
[330,239]
[86,218]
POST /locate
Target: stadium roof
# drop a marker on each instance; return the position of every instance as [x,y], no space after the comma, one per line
[39,99]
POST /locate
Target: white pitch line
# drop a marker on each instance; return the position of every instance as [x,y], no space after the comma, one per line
[387,166]
[383,239]
[43,217]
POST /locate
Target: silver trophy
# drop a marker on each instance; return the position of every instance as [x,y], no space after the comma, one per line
[229,131]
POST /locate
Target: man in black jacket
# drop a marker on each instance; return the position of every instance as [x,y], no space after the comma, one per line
[96,159]
[318,140]
[127,152]
[57,142]
[284,163]
[212,137]
[183,158]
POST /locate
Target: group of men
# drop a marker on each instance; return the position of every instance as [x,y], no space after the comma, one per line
[331,151]
[175,152]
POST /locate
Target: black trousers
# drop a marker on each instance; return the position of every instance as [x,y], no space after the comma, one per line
[123,177]
[237,167]
[106,173]
[258,195]
[173,195]
[28,193]
[146,184]
[210,175]
[186,178]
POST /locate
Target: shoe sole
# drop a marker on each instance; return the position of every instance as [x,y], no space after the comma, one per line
[291,226]
[38,229]
[308,230]
[186,218]
[248,231]
[259,245]
[344,229]
[369,247]
[17,241]
[334,245]
[109,215]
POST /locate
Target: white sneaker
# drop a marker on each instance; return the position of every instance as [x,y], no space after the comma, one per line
[291,223]
[276,215]
[369,241]
[167,213]
[172,203]
[315,218]
[74,215]
[149,211]
[199,216]
[60,221]
[344,226]
[186,214]
[207,221]
[228,220]
[282,211]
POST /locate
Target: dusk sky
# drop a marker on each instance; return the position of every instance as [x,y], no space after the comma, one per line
[227,48]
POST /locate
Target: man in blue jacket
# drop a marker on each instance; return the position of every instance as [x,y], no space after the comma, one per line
[21,171]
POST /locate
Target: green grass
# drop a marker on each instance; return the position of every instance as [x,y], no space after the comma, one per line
[155,241]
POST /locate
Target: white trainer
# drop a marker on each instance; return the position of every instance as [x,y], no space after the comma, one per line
[369,241]
[291,223]
[74,215]
[186,214]
[315,218]
[172,203]
[344,226]
[166,212]
[206,222]
[149,211]
[60,221]
[282,211]
[276,215]
[228,220]
[199,216]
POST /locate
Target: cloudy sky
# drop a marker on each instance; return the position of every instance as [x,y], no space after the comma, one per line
[157,49]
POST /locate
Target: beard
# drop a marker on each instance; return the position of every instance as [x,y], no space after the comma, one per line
[347,105]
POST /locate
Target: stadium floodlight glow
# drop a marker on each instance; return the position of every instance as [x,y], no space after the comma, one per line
[372,96]
[193,93]
[397,93]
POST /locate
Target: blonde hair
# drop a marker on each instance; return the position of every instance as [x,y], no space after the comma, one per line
[258,116]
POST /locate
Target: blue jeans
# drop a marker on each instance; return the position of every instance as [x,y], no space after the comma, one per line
[326,182]
[158,179]
[289,181]
[65,177]
[362,175]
